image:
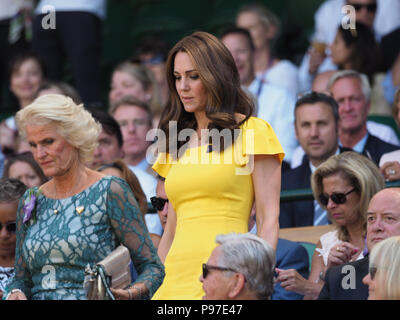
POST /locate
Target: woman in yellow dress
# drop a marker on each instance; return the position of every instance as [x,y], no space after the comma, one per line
[217,160]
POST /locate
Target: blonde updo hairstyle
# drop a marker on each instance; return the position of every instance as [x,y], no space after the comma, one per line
[74,123]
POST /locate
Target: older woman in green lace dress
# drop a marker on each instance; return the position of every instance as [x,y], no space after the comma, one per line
[79,216]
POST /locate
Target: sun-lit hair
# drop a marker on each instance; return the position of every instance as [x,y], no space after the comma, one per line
[218,74]
[266,16]
[145,76]
[359,172]
[345,74]
[73,122]
[62,88]
[129,176]
[385,256]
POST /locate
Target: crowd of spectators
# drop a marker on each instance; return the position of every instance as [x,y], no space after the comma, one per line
[325,113]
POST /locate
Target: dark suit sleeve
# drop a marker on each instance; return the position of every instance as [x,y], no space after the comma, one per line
[286,215]
[290,255]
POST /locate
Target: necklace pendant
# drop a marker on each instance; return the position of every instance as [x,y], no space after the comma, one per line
[80,209]
[55,211]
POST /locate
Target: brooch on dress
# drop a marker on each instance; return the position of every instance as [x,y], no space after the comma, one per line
[29,208]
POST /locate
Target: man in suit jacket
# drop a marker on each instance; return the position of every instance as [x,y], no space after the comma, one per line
[352,92]
[316,127]
[345,282]
[290,255]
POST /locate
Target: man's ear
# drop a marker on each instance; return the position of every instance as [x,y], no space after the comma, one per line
[236,285]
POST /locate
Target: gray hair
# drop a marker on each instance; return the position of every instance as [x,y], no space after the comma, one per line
[251,256]
[365,86]
[11,190]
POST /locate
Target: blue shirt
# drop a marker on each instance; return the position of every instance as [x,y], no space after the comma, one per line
[276,106]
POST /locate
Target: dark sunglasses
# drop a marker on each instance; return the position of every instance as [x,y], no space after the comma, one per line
[11,227]
[207,268]
[338,198]
[158,203]
[370,7]
[372,272]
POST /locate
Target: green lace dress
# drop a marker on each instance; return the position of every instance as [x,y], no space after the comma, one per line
[53,251]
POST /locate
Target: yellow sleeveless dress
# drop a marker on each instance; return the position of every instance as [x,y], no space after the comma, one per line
[211,195]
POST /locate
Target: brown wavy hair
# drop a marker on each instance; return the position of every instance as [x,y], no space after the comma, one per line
[133,182]
[218,73]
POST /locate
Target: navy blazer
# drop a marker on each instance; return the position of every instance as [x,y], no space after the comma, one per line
[290,255]
[338,278]
[375,148]
[297,213]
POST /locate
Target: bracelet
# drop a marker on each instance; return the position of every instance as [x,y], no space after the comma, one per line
[130,293]
[139,296]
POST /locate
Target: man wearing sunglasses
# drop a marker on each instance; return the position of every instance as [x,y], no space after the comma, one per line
[344,282]
[11,190]
[239,268]
[316,127]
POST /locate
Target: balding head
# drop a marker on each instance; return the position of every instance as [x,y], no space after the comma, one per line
[383,217]
[320,83]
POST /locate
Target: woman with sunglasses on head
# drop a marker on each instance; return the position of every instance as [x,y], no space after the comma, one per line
[11,190]
[209,191]
[343,186]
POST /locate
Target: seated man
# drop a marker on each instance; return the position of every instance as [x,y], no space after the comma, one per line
[240,268]
[316,127]
[352,92]
[289,255]
[344,282]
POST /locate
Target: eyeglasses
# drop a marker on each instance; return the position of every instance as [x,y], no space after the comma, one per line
[370,7]
[11,227]
[158,203]
[372,272]
[338,198]
[207,268]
